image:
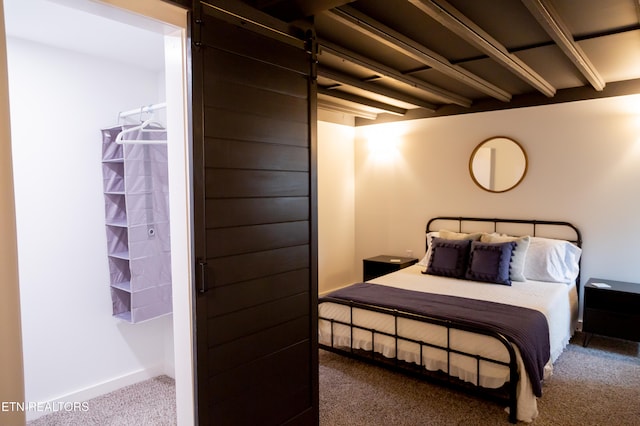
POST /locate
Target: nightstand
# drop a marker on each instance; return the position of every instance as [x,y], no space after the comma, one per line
[611,308]
[380,265]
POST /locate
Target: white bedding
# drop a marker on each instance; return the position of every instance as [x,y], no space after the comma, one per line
[557,301]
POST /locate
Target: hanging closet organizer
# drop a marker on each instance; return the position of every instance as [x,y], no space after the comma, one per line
[136,195]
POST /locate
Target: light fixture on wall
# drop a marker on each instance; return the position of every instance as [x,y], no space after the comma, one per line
[383,143]
[629,107]
[383,150]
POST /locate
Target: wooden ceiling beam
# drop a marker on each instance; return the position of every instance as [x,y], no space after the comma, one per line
[550,20]
[362,101]
[290,10]
[441,94]
[400,43]
[453,20]
[328,105]
[343,78]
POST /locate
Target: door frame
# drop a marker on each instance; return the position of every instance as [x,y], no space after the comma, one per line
[11,367]
[177,14]
[178,87]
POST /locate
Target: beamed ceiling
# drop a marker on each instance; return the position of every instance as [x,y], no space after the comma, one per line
[387,60]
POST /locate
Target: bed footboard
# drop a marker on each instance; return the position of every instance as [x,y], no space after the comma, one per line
[507,394]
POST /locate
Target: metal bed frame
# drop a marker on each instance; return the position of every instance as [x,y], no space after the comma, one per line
[507,394]
[534,225]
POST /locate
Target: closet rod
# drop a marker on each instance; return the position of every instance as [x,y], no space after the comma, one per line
[143,109]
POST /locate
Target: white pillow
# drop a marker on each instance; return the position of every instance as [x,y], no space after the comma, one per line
[552,260]
[425,260]
[518,257]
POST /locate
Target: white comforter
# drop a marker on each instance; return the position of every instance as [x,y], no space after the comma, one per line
[557,301]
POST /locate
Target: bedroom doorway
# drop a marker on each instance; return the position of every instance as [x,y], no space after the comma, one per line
[61,95]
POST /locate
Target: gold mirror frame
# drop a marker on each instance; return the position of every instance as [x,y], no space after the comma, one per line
[498,164]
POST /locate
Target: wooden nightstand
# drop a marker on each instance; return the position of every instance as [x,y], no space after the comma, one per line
[380,265]
[611,308]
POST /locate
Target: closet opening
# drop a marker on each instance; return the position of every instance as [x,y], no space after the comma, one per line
[77,68]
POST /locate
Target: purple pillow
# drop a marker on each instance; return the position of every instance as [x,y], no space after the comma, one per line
[489,262]
[449,257]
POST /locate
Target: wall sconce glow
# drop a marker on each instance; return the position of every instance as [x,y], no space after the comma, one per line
[627,108]
[637,120]
[631,105]
[383,143]
[384,151]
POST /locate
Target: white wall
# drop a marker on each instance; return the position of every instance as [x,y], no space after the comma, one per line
[584,167]
[59,102]
[336,206]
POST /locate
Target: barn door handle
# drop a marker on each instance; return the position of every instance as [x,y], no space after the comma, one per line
[203,276]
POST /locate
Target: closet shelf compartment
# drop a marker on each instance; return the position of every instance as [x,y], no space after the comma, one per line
[136,197]
[113,176]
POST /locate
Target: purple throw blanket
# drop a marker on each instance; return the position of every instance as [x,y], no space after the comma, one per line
[526,328]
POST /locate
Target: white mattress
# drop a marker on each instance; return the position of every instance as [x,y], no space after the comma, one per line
[557,301]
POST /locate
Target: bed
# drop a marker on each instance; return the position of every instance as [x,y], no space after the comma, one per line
[488,309]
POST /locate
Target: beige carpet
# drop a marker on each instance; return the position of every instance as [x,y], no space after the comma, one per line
[148,403]
[598,385]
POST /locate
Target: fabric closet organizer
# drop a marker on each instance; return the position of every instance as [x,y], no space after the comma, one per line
[136,194]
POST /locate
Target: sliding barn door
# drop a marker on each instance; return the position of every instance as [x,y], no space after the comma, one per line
[255,238]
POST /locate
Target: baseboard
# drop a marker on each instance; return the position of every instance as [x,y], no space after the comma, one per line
[97,390]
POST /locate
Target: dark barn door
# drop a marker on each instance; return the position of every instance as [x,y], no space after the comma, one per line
[255,233]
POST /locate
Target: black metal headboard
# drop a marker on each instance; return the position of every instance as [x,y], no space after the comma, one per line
[518,227]
[535,228]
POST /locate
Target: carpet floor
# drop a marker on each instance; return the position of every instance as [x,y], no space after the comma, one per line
[147,403]
[597,385]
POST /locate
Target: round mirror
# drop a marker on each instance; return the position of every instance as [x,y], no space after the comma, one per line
[498,164]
